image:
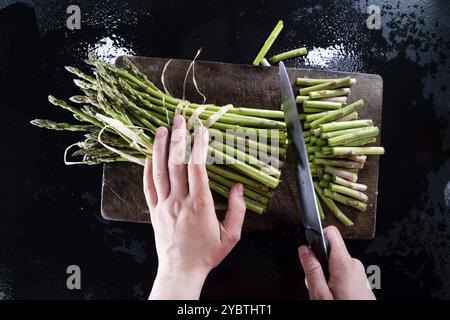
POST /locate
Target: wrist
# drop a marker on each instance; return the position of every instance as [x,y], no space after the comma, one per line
[176,283]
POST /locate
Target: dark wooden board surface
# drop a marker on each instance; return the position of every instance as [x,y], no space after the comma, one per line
[249,86]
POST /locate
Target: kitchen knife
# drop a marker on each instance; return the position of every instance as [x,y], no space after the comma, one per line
[310,213]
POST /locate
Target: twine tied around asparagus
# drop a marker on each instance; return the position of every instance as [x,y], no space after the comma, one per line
[119,152]
[184,103]
[130,132]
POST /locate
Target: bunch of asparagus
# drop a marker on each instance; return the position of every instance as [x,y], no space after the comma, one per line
[121,110]
[336,142]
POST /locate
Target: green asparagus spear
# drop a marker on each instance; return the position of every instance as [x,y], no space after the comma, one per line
[289,55]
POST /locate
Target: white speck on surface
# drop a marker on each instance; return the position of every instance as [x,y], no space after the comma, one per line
[322,57]
[447,194]
[109,48]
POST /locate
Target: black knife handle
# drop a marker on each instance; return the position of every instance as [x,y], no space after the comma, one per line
[321,252]
[310,218]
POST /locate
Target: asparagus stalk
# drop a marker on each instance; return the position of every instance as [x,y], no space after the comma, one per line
[251,143]
[312,117]
[247,192]
[333,115]
[265,63]
[75,111]
[332,134]
[322,104]
[332,206]
[329,93]
[48,124]
[270,40]
[362,142]
[316,132]
[311,110]
[350,176]
[320,142]
[342,100]
[313,82]
[358,195]
[289,55]
[301,99]
[319,207]
[348,117]
[353,136]
[324,184]
[344,82]
[251,171]
[81,74]
[224,191]
[318,87]
[360,159]
[352,151]
[85,84]
[238,177]
[248,158]
[338,163]
[312,149]
[93,161]
[361,206]
[326,150]
[348,184]
[343,125]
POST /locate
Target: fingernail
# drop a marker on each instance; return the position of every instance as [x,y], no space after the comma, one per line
[177,120]
[161,132]
[304,252]
[240,189]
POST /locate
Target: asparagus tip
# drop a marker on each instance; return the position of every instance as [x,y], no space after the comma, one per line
[77,99]
[70,69]
[36,122]
[52,99]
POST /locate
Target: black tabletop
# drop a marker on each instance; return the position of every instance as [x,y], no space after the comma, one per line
[50,216]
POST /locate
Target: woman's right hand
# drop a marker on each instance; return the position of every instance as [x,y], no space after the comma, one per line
[348,280]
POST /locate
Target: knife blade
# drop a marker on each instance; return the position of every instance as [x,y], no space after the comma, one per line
[310,213]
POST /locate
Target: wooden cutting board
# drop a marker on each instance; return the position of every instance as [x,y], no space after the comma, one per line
[249,86]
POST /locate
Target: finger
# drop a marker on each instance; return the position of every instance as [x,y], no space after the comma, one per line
[177,152]
[234,217]
[160,172]
[149,186]
[317,284]
[198,178]
[338,250]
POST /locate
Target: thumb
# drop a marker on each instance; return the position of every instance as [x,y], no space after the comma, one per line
[234,218]
[315,279]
